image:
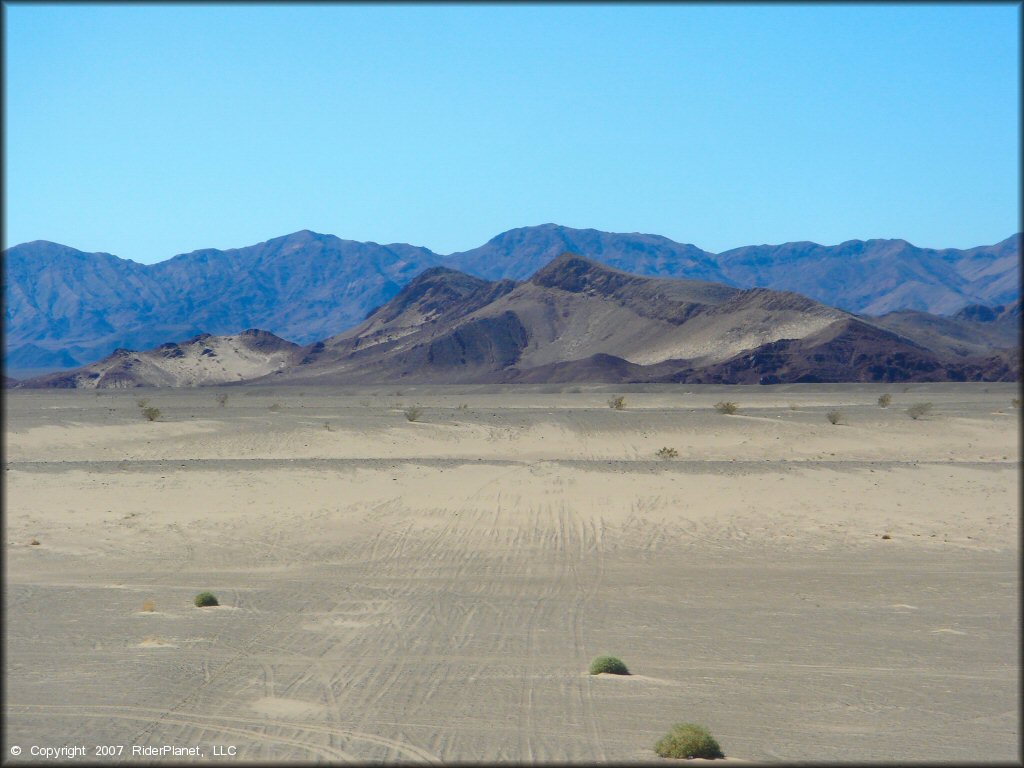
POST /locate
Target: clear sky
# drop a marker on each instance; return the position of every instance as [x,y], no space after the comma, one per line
[152,130]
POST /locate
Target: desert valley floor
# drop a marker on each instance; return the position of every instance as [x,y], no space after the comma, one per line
[434,590]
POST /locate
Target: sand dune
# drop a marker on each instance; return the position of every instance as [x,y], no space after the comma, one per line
[434,591]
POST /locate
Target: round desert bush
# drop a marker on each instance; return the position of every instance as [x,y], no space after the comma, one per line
[687,740]
[204,599]
[608,664]
[917,410]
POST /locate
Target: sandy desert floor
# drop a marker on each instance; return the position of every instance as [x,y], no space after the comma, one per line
[435,590]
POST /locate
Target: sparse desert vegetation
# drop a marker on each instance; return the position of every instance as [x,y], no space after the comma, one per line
[485,558]
[884,400]
[835,417]
[617,403]
[413,413]
[222,399]
[726,407]
[1015,402]
[686,741]
[150,412]
[609,665]
[917,410]
[148,606]
[205,599]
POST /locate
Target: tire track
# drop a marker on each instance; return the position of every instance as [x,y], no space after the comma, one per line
[290,643]
[209,679]
[404,560]
[525,718]
[585,595]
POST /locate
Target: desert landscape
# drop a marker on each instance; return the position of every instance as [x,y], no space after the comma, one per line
[424,573]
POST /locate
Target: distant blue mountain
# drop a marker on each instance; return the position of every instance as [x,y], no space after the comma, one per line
[63,307]
[519,253]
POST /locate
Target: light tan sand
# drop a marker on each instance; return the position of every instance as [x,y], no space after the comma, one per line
[435,591]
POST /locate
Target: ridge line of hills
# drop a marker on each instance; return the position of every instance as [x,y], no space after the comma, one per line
[64,308]
[576,320]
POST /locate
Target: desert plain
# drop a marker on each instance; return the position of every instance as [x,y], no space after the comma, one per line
[434,590]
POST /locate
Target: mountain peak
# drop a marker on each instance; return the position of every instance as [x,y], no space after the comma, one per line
[430,292]
[440,278]
[576,274]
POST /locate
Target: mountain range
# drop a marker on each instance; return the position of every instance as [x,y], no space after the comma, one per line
[577,320]
[65,308]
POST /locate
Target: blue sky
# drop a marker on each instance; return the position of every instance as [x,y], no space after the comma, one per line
[152,130]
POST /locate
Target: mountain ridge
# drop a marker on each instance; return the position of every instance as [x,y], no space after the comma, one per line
[66,306]
[576,320]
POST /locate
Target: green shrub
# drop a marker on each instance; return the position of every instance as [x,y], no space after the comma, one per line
[884,400]
[726,407]
[834,417]
[617,403]
[667,453]
[687,740]
[609,665]
[413,413]
[917,410]
[204,599]
[151,413]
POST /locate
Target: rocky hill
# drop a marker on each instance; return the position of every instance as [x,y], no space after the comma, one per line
[202,360]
